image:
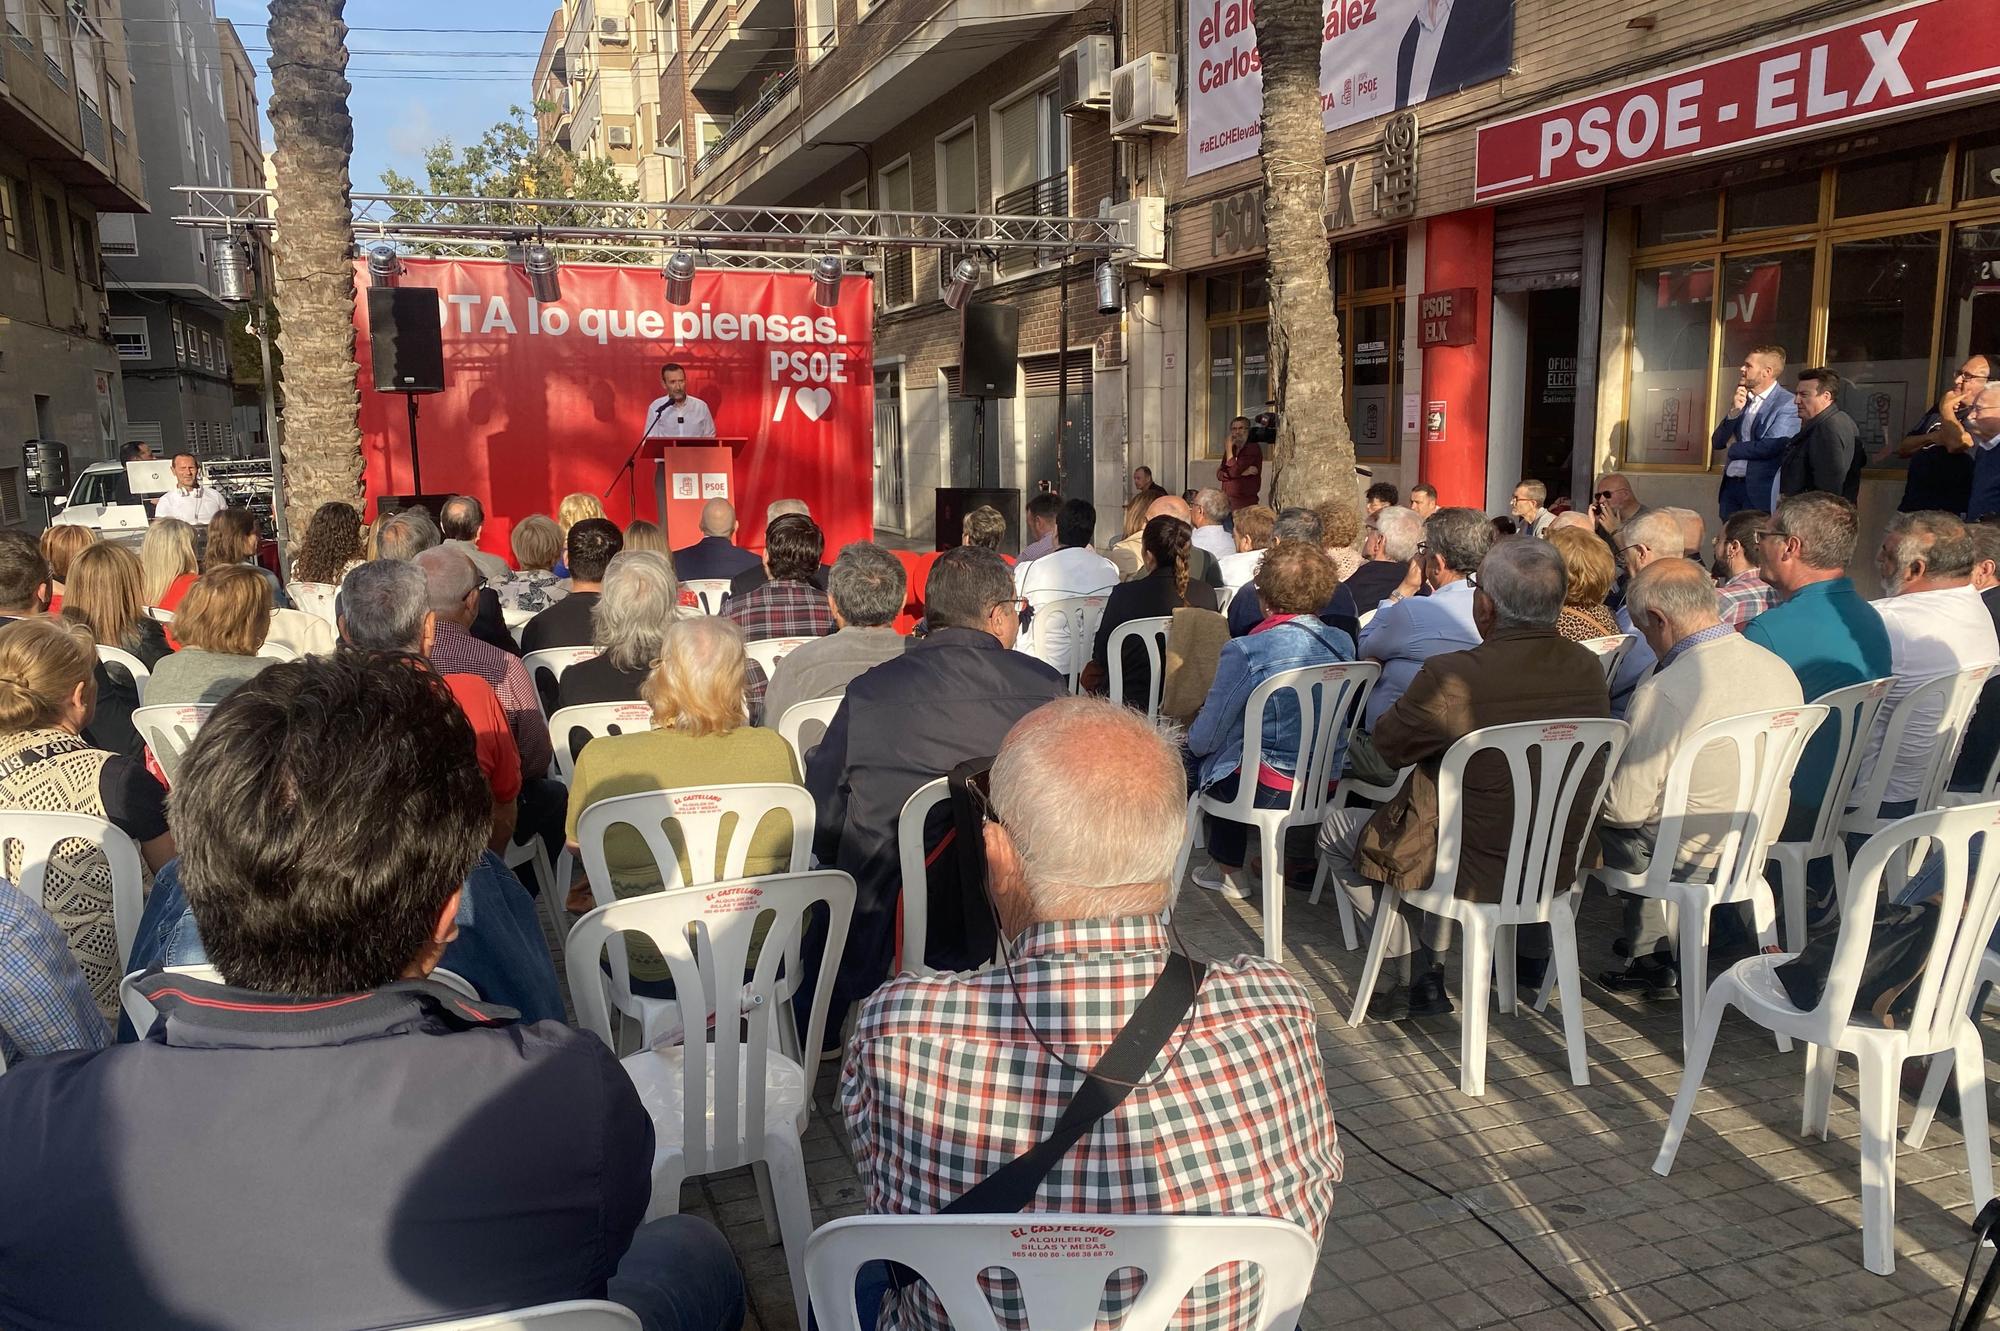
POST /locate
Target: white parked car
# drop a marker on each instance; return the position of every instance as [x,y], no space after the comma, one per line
[103,499]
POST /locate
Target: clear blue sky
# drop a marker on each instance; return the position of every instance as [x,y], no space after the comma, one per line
[413,88]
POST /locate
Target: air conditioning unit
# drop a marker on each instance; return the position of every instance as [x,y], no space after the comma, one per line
[611,32]
[1144,224]
[1142,98]
[618,136]
[1085,74]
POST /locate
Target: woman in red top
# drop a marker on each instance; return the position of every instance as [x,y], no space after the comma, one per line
[167,561]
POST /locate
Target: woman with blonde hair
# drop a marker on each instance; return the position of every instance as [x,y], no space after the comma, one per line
[573,509]
[533,587]
[702,736]
[167,560]
[61,545]
[47,698]
[1589,571]
[104,597]
[641,597]
[643,535]
[225,619]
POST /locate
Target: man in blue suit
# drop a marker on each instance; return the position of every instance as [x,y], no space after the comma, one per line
[1763,420]
[715,555]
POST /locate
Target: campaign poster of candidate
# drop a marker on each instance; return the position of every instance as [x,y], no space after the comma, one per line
[1376,56]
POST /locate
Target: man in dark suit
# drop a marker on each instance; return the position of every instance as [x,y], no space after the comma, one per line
[1452,44]
[1763,420]
[716,554]
[1827,453]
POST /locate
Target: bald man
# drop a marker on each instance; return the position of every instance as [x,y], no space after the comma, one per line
[1130,556]
[716,554]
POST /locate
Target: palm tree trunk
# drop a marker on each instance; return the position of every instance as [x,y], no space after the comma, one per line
[1314,456]
[314,140]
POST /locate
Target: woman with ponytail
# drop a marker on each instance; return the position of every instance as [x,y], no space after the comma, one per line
[47,698]
[1162,587]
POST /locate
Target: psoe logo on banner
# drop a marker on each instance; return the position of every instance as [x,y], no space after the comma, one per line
[803,378]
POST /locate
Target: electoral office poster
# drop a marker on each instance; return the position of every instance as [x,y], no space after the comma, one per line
[544,400]
[1376,56]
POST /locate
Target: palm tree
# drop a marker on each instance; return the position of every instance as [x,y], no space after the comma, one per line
[1314,457]
[313,135]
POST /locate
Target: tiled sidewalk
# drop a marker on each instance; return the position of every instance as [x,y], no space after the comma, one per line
[1757,1226]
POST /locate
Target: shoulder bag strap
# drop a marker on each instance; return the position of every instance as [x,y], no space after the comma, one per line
[1012,1186]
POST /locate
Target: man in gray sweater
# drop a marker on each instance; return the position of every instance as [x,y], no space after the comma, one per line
[866,587]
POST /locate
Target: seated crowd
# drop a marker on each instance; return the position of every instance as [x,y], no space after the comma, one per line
[326,869]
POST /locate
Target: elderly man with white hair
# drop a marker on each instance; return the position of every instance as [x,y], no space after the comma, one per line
[950,1077]
[1209,512]
[1707,671]
[755,576]
[1654,535]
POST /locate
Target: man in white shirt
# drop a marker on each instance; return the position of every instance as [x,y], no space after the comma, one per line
[1210,510]
[1707,671]
[1409,629]
[189,500]
[1073,570]
[1937,626]
[675,415]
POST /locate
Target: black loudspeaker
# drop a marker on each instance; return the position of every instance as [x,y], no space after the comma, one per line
[988,344]
[405,340]
[45,464]
[953,503]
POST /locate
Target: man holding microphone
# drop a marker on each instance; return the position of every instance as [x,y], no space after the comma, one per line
[1762,422]
[675,415]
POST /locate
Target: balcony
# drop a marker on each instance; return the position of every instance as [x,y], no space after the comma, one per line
[757,34]
[783,88]
[1047,197]
[589,110]
[45,118]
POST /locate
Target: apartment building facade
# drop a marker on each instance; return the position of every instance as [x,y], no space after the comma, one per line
[172,331]
[1556,268]
[597,88]
[67,151]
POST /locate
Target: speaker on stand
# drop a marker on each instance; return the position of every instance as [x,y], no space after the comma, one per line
[406,351]
[988,356]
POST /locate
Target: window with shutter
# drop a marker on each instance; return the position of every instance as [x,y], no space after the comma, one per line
[898,288]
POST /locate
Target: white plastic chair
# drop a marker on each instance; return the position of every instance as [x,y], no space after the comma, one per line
[702,814]
[1152,635]
[574,1315]
[1765,748]
[277,651]
[550,663]
[1083,614]
[315,598]
[767,652]
[911,852]
[168,731]
[711,592]
[816,713]
[38,834]
[1612,649]
[1942,1067]
[130,664]
[1851,712]
[139,1009]
[1330,699]
[1939,740]
[730,1099]
[1346,790]
[1550,764]
[1970,902]
[1063,1264]
[573,727]
[163,616]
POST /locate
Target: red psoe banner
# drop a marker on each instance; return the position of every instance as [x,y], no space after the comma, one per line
[1913,56]
[544,400]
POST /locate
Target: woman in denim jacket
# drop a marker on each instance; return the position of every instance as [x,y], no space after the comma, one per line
[1294,581]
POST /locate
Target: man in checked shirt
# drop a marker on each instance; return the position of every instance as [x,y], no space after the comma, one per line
[945,1081]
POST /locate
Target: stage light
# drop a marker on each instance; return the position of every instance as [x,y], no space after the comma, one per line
[234,280]
[963,275]
[826,281]
[540,261]
[680,278]
[384,266]
[1110,289]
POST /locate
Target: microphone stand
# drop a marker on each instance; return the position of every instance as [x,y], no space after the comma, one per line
[633,457]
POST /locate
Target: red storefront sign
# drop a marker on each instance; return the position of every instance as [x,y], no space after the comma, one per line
[1910,57]
[543,400]
[1446,318]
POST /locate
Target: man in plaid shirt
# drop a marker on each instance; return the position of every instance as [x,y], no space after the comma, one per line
[789,605]
[950,1076]
[1745,594]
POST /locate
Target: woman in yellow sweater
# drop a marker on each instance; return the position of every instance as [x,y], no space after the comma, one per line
[702,737]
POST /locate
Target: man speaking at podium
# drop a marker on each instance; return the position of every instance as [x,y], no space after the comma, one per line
[675,415]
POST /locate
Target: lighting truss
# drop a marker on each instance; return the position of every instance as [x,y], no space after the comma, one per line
[647,232]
